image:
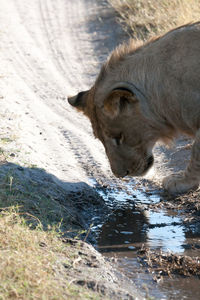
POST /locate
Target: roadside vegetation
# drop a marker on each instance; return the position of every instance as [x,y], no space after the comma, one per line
[143,19]
[38,260]
[33,262]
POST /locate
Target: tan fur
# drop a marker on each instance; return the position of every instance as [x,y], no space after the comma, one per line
[163,101]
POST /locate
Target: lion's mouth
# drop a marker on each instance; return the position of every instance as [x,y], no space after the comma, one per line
[141,168]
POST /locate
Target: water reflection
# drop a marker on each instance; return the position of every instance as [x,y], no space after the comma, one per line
[166,232]
[131,222]
[134,226]
[123,227]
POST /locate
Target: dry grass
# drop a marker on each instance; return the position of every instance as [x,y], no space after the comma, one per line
[33,258]
[32,263]
[144,19]
[37,261]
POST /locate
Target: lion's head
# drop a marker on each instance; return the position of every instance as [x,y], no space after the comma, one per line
[121,115]
[118,121]
[144,93]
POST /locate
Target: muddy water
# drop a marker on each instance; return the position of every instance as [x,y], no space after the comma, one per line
[132,224]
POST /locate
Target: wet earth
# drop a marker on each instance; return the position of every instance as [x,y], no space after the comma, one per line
[154,239]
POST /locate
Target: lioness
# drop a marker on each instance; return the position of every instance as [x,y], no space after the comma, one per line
[147,92]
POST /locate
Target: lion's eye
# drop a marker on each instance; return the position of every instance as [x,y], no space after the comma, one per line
[118,140]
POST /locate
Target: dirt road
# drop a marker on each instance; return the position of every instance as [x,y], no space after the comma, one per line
[48,50]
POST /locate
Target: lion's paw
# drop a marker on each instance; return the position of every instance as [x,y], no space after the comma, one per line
[179,184]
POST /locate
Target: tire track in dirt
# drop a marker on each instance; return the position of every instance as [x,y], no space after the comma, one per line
[47,52]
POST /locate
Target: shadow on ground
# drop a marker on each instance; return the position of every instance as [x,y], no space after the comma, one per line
[44,199]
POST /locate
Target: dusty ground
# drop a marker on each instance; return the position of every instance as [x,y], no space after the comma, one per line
[48,50]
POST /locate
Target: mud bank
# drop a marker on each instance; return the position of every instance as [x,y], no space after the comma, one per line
[93,271]
[43,204]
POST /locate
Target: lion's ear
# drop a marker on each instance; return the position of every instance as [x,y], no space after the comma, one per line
[117,101]
[79,101]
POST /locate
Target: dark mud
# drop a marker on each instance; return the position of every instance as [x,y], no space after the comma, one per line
[154,238]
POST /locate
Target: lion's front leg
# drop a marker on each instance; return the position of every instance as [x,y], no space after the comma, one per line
[180,183]
[190,179]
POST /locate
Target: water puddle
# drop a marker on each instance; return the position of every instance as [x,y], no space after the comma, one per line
[132,224]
